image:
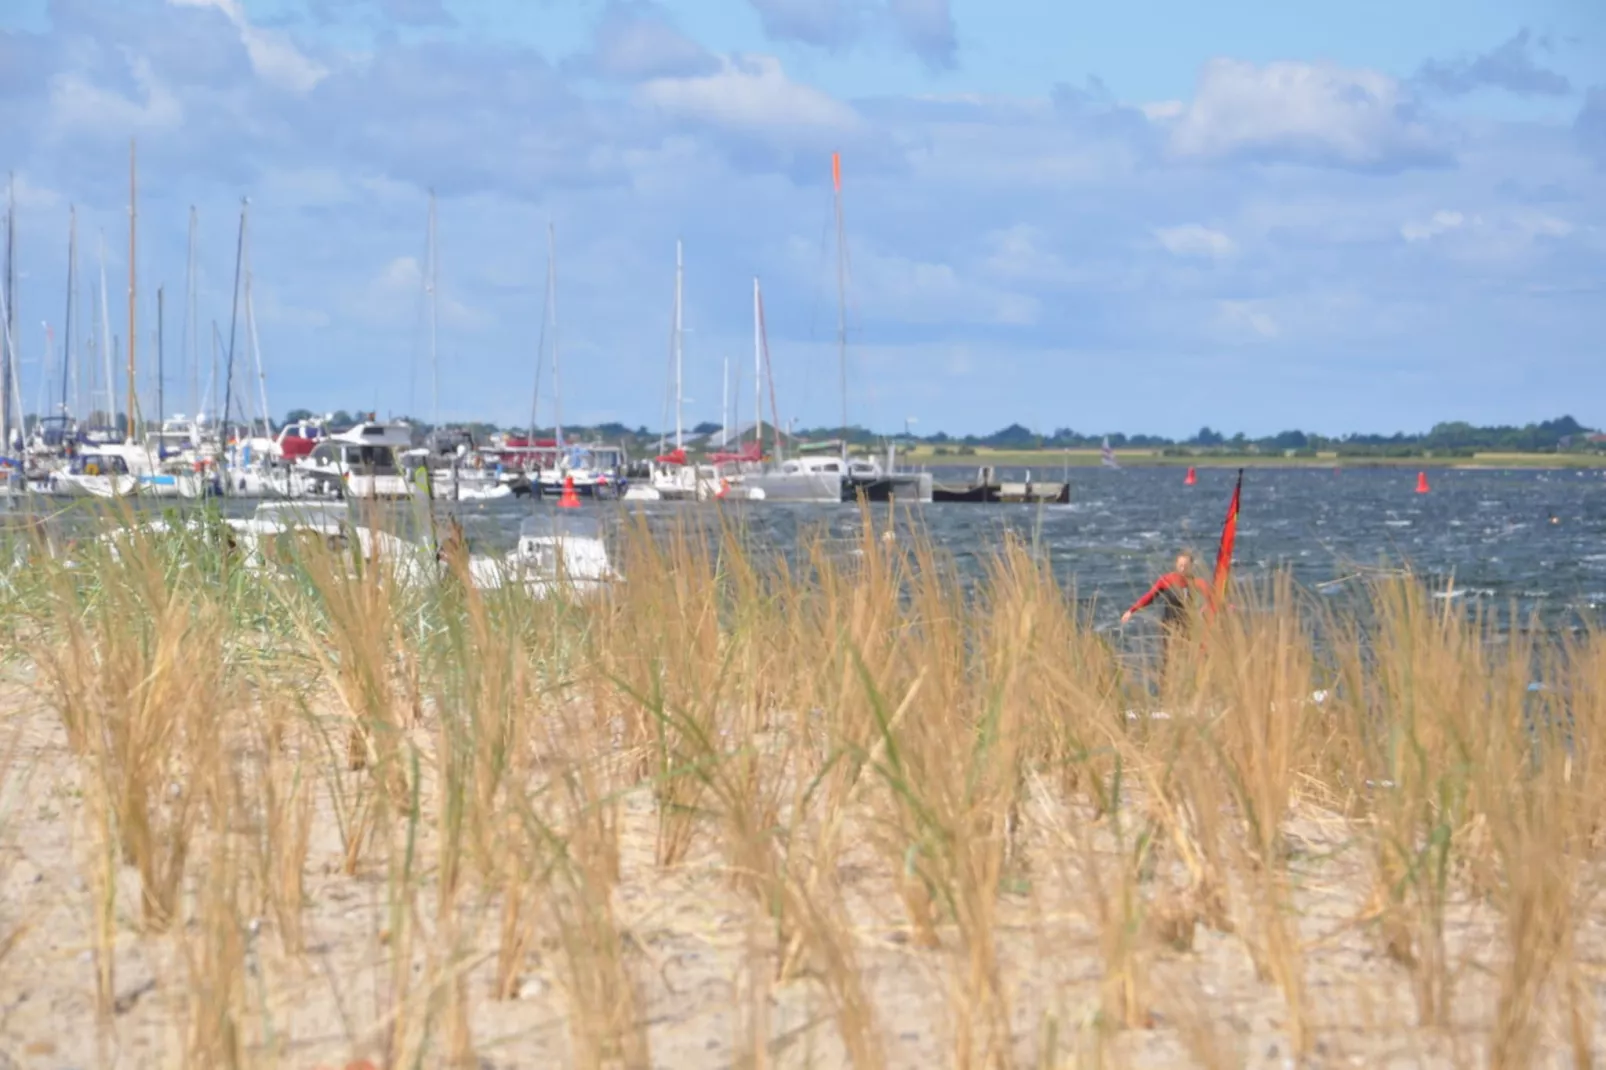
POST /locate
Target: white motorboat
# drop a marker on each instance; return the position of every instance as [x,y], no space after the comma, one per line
[362,462]
[117,470]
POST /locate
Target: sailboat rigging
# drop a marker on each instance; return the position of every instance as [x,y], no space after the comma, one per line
[133,276]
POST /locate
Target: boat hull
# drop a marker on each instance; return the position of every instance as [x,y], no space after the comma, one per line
[910,486]
[817,487]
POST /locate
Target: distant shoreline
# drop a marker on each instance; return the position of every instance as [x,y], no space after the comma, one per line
[1048,459]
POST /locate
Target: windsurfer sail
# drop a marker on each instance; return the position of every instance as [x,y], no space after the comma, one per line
[1229,535]
[1107,455]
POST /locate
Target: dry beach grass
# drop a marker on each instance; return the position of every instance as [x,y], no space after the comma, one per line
[745,813]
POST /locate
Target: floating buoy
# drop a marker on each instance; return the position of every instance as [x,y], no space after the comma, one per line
[1421,482]
[570,499]
[1192,477]
[724,489]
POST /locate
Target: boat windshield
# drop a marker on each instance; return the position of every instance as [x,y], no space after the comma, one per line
[554,526]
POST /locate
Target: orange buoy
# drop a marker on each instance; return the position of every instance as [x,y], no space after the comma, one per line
[724,488]
[1192,478]
[570,499]
[1421,482]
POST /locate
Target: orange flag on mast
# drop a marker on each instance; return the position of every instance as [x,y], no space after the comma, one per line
[1229,535]
[836,171]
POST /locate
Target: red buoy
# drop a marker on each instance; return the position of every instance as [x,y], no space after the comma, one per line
[1421,482]
[570,499]
[1193,477]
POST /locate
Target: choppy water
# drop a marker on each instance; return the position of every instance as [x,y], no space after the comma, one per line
[1488,535]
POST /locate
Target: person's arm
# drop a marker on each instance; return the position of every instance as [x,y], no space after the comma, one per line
[1159,585]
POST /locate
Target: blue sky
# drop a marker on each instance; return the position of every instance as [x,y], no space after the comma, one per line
[1108,217]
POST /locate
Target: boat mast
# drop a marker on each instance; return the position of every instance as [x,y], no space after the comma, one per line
[552,305]
[430,280]
[72,302]
[679,328]
[8,358]
[161,370]
[841,297]
[133,217]
[758,371]
[725,405]
[108,344]
[234,315]
[190,357]
[255,342]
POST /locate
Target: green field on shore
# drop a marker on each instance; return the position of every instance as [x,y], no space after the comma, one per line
[1135,458]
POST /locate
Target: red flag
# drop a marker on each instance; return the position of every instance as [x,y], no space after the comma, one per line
[1229,534]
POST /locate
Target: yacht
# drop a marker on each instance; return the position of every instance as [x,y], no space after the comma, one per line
[360,462]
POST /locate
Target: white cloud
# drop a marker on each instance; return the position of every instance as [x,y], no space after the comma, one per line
[1246,318]
[78,104]
[751,94]
[1161,110]
[1440,222]
[1017,256]
[1317,113]
[274,59]
[1195,240]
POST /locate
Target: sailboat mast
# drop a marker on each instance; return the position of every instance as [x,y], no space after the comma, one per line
[8,358]
[161,368]
[430,287]
[72,302]
[552,305]
[256,346]
[725,405]
[133,278]
[758,371]
[234,315]
[190,358]
[841,297]
[108,344]
[679,326]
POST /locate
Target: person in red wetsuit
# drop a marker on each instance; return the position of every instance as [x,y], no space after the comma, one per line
[1179,593]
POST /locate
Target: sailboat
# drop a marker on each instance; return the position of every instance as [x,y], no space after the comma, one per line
[670,476]
[453,469]
[795,479]
[120,468]
[1107,455]
[589,470]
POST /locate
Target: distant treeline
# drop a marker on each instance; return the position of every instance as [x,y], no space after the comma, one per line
[1446,439]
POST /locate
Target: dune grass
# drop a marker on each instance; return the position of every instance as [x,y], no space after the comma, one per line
[882,815]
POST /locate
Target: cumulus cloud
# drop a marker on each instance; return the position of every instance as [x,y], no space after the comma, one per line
[1195,240]
[1511,67]
[273,57]
[79,105]
[1313,113]
[636,41]
[924,27]
[752,95]
[1017,255]
[1439,222]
